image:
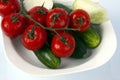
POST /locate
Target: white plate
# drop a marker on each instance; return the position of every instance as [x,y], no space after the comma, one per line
[26,61]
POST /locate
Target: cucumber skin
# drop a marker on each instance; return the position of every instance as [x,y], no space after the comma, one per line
[80,49]
[58,5]
[91,38]
[46,56]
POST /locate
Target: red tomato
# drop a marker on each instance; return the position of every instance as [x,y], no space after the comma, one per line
[9,6]
[34,37]
[63,47]
[39,14]
[57,18]
[13,25]
[79,19]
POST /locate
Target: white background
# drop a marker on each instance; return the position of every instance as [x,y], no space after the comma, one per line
[109,71]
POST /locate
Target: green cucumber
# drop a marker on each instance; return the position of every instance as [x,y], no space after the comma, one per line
[80,49]
[91,37]
[46,56]
[58,5]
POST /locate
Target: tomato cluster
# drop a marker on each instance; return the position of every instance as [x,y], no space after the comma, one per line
[34,36]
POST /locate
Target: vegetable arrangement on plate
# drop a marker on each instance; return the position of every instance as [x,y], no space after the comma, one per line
[52,30]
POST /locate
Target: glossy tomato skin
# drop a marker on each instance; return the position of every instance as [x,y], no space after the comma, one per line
[8,7]
[79,19]
[39,14]
[13,28]
[61,21]
[40,37]
[62,49]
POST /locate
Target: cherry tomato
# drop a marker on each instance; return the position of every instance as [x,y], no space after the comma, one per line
[79,19]
[39,14]
[63,46]
[57,18]
[9,6]
[34,37]
[13,25]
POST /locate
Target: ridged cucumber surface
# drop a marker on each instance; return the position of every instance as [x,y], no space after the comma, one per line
[46,56]
[91,37]
[58,5]
[80,49]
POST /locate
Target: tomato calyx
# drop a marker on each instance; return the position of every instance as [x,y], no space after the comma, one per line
[31,33]
[40,11]
[79,20]
[63,40]
[5,1]
[14,18]
[56,16]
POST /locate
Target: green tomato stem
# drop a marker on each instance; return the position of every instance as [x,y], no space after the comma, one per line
[40,11]
[31,33]
[43,4]
[24,12]
[79,20]
[15,17]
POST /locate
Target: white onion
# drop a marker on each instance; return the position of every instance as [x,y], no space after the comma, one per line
[97,13]
[32,3]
